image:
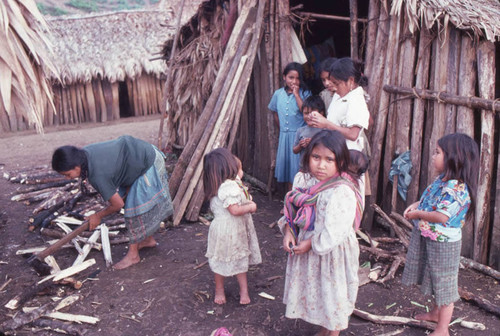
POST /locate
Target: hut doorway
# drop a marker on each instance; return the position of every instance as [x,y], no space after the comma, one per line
[125,108]
[327,35]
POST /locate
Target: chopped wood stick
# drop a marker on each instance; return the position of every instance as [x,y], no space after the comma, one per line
[406,223]
[122,240]
[86,248]
[479,301]
[51,261]
[394,267]
[67,317]
[39,248]
[466,262]
[76,284]
[68,220]
[201,265]
[379,252]
[203,220]
[67,328]
[276,277]
[106,245]
[33,196]
[54,198]
[397,229]
[388,240]
[255,182]
[396,320]
[113,222]
[49,185]
[21,319]
[367,238]
[5,284]
[67,301]
[74,269]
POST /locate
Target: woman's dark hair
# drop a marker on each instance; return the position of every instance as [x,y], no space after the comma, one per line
[461,162]
[294,66]
[218,166]
[334,141]
[359,162]
[326,64]
[314,103]
[68,157]
[344,68]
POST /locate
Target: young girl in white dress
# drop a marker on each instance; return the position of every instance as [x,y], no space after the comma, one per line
[232,241]
[322,212]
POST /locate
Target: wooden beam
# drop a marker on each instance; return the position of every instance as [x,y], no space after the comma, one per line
[445,97]
[353,13]
[330,17]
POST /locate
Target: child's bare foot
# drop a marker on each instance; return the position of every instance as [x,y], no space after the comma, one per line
[148,242]
[244,298]
[220,297]
[126,262]
[431,316]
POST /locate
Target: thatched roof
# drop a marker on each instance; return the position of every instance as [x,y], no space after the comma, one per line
[480,16]
[114,45]
[25,62]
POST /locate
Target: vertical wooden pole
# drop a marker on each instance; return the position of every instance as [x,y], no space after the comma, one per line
[371,35]
[466,88]
[452,80]
[494,258]
[421,82]
[486,81]
[353,13]
[285,28]
[442,47]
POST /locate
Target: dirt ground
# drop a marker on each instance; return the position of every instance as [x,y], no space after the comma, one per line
[165,294]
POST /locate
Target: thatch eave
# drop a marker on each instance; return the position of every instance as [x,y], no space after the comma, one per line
[112,46]
[479,16]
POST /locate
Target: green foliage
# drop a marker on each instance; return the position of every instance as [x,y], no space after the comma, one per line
[51,10]
[84,5]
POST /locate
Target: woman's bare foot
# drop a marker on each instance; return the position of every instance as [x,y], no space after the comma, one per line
[148,242]
[131,258]
[244,298]
[127,261]
[431,316]
[220,297]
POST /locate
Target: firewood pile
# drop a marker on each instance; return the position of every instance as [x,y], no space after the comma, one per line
[60,206]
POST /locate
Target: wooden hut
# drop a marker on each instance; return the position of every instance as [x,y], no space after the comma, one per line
[431,68]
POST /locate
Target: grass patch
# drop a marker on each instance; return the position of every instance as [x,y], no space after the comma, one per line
[84,5]
[51,10]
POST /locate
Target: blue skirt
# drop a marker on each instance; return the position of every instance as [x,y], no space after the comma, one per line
[287,163]
[148,201]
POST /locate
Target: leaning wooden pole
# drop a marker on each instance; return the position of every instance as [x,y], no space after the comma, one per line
[168,82]
[485,67]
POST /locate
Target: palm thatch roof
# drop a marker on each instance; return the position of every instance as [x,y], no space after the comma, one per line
[24,62]
[482,17]
[113,46]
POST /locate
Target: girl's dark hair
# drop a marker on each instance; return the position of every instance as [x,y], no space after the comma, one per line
[359,162]
[461,162]
[314,103]
[334,141]
[68,157]
[294,66]
[344,68]
[326,64]
[218,166]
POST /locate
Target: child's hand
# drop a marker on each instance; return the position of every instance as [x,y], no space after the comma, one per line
[304,142]
[295,90]
[252,206]
[303,247]
[288,241]
[409,209]
[317,120]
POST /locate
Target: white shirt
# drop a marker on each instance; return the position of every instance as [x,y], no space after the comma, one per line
[348,111]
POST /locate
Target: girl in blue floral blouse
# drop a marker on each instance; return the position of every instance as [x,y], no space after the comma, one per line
[434,253]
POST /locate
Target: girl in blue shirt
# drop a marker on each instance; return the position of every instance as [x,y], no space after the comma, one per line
[434,253]
[287,104]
